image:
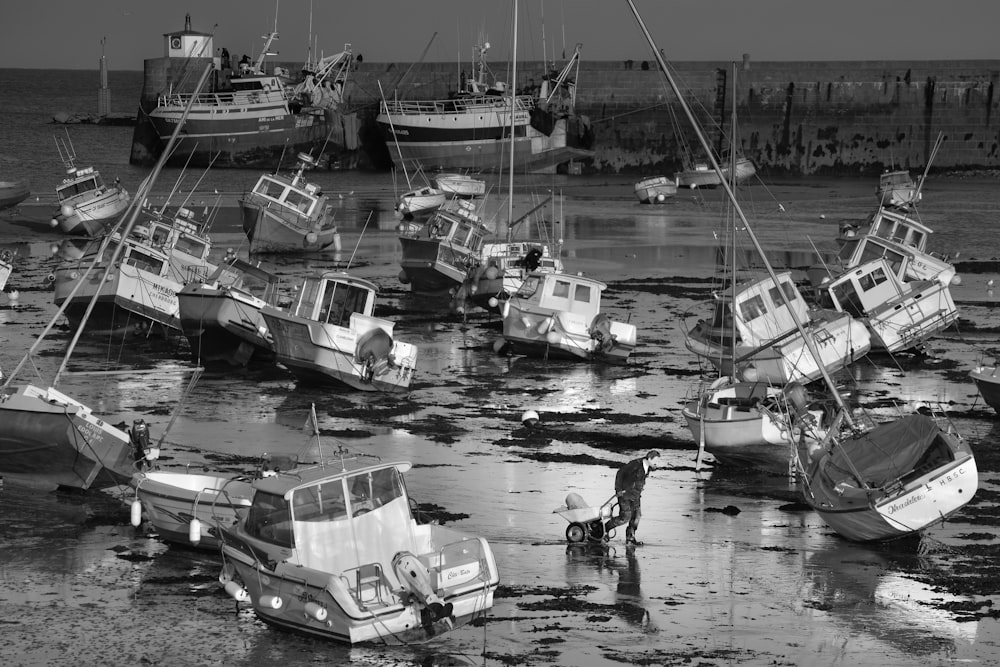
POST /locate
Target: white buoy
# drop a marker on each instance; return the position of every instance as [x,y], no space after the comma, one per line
[226,574]
[136,513]
[494,302]
[552,337]
[194,531]
[529,418]
[271,601]
[237,592]
[316,611]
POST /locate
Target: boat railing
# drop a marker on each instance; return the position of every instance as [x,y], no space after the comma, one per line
[208,100]
[489,103]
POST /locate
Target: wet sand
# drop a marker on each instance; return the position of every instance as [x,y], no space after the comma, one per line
[735,570]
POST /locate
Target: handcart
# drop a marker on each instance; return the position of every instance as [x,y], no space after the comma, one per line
[586,522]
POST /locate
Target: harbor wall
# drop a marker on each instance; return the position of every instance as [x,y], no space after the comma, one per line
[794,118]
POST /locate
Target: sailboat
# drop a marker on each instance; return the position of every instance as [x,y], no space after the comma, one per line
[49,438]
[891,481]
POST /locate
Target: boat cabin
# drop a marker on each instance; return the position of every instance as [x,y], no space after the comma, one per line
[457,223]
[563,293]
[301,199]
[334,297]
[80,182]
[530,256]
[761,312]
[864,289]
[902,241]
[320,514]
[161,244]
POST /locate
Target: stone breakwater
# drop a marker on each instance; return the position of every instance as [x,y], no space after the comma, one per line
[794,118]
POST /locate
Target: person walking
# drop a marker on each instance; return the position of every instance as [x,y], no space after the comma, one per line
[629,482]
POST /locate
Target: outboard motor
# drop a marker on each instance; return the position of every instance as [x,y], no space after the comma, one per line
[142,452]
[412,574]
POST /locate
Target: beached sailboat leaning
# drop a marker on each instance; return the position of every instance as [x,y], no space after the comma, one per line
[891,481]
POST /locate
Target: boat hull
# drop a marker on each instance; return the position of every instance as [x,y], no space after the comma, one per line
[704,177]
[551,335]
[655,190]
[50,440]
[221,326]
[271,232]
[172,500]
[432,267]
[13,193]
[89,216]
[252,138]
[988,384]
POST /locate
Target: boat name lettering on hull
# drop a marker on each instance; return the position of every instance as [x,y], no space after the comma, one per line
[951,477]
[896,507]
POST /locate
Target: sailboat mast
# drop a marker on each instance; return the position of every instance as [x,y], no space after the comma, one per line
[513,101]
[810,343]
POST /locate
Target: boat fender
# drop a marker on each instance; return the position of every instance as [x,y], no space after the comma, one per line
[600,332]
[311,238]
[136,513]
[500,346]
[53,223]
[194,531]
[417,580]
[404,277]
[316,611]
[237,592]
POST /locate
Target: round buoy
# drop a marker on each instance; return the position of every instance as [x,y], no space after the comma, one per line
[67,210]
[552,337]
[494,302]
[956,279]
[661,198]
[529,418]
[404,278]
[492,272]
[136,513]
[53,223]
[311,237]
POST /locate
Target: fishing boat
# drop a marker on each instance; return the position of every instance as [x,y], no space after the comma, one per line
[138,291]
[988,384]
[330,334]
[655,189]
[221,318]
[895,235]
[469,131]
[459,185]
[558,316]
[85,202]
[334,551]
[49,438]
[287,213]
[897,188]
[436,255]
[251,116]
[900,315]
[185,508]
[768,346]
[891,481]
[13,192]
[500,271]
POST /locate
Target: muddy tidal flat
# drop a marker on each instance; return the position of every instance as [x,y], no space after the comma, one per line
[735,569]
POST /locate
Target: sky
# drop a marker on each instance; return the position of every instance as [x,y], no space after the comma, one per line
[67,34]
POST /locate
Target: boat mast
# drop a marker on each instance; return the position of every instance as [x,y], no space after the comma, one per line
[810,343]
[513,100]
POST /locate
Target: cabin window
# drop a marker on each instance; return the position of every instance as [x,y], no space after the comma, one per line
[752,308]
[159,235]
[787,288]
[848,298]
[299,201]
[190,245]
[916,238]
[323,502]
[561,289]
[374,489]
[872,280]
[582,294]
[340,301]
[874,251]
[269,188]
[141,260]
[528,287]
[269,519]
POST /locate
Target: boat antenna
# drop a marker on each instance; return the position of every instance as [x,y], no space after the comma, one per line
[810,343]
[513,101]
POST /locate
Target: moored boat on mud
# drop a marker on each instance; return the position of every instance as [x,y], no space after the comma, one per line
[330,334]
[436,255]
[85,204]
[334,551]
[288,214]
[558,316]
[655,189]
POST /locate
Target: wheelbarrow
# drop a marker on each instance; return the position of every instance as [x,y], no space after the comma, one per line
[585,522]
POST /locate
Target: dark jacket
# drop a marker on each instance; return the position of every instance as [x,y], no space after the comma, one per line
[631,478]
